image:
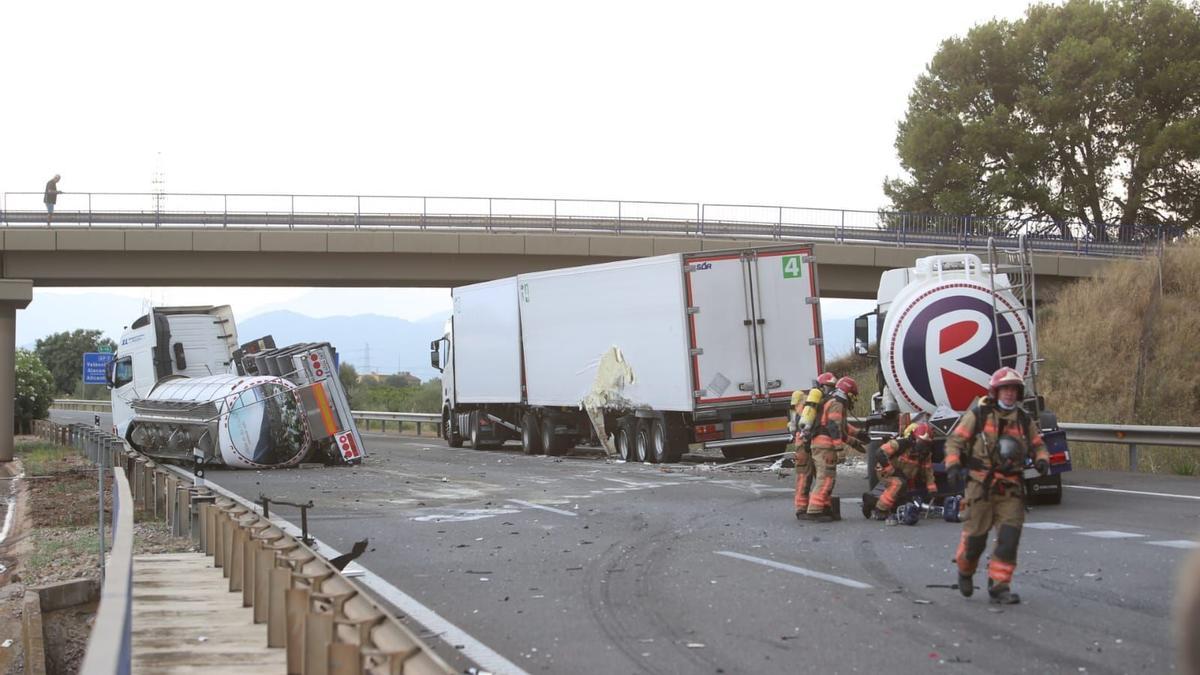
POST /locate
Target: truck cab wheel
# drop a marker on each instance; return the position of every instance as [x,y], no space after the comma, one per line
[453,438]
[474,426]
[873,450]
[643,443]
[531,438]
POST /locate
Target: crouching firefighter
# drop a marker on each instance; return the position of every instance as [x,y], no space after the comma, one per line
[831,434]
[902,460]
[806,408]
[989,445]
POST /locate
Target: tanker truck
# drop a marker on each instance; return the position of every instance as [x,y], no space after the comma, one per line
[942,327]
[645,357]
[184,391]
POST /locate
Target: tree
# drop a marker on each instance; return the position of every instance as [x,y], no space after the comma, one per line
[63,355]
[34,389]
[349,378]
[1085,113]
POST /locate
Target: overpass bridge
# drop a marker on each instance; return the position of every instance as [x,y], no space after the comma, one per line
[98,239]
[148,239]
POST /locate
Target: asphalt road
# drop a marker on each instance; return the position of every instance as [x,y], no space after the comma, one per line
[579,565]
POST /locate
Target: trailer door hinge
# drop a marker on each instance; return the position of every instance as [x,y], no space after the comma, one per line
[697,394]
[746,386]
[693,310]
[816,341]
[812,301]
[696,352]
[774,384]
[808,258]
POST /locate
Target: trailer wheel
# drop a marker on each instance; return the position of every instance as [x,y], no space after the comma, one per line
[643,443]
[531,439]
[453,438]
[551,443]
[624,442]
[665,443]
[473,423]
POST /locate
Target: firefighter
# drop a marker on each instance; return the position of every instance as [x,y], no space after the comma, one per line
[902,460]
[831,434]
[987,450]
[802,435]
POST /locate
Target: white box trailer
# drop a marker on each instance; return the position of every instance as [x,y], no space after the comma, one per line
[644,356]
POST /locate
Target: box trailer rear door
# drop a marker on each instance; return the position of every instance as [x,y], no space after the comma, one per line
[753,323]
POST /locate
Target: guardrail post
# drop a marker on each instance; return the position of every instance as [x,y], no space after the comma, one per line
[280,581]
[1133,457]
[296,609]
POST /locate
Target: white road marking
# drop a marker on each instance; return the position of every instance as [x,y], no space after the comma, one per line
[1110,534]
[551,509]
[851,583]
[1132,492]
[452,635]
[462,515]
[1051,526]
[1186,544]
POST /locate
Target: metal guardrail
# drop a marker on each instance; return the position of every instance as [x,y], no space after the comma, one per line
[582,216]
[82,404]
[319,616]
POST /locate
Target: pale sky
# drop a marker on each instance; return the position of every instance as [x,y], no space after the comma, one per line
[742,103]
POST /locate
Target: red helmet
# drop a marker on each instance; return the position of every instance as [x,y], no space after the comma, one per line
[921,431]
[826,379]
[848,386]
[1006,377]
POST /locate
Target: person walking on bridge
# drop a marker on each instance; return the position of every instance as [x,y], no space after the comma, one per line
[802,437]
[989,445]
[832,434]
[51,197]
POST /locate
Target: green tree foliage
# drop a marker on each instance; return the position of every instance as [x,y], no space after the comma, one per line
[1088,112]
[34,389]
[63,355]
[426,397]
[349,379]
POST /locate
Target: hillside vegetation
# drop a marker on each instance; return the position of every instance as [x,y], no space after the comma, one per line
[1120,348]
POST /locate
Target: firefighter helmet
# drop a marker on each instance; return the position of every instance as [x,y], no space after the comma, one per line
[1006,377]
[908,514]
[848,386]
[826,379]
[921,431]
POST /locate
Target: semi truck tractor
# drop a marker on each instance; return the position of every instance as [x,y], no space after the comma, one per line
[942,328]
[644,357]
[184,391]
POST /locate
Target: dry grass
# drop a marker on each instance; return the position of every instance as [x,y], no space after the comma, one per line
[1098,330]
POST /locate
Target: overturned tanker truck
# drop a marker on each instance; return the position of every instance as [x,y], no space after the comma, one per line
[184,391]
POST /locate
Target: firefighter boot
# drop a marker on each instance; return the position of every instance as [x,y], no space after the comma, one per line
[802,514]
[1001,594]
[868,504]
[966,585]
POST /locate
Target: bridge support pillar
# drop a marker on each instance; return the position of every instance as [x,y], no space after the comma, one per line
[14,294]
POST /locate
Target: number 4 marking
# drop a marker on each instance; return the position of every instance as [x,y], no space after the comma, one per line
[791,267]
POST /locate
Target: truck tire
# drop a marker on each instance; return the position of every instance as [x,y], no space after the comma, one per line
[473,424]
[531,438]
[553,444]
[643,443]
[624,441]
[872,457]
[665,442]
[453,438]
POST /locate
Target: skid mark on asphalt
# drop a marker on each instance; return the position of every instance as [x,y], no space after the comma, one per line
[802,571]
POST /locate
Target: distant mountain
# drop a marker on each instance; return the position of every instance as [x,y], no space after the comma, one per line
[368,341]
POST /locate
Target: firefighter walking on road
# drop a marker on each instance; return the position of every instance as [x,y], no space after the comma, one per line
[902,460]
[989,445]
[805,412]
[831,434]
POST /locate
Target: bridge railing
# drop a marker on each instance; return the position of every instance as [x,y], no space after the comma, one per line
[582,216]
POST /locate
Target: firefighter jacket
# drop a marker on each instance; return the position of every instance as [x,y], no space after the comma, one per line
[833,432]
[972,442]
[908,460]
